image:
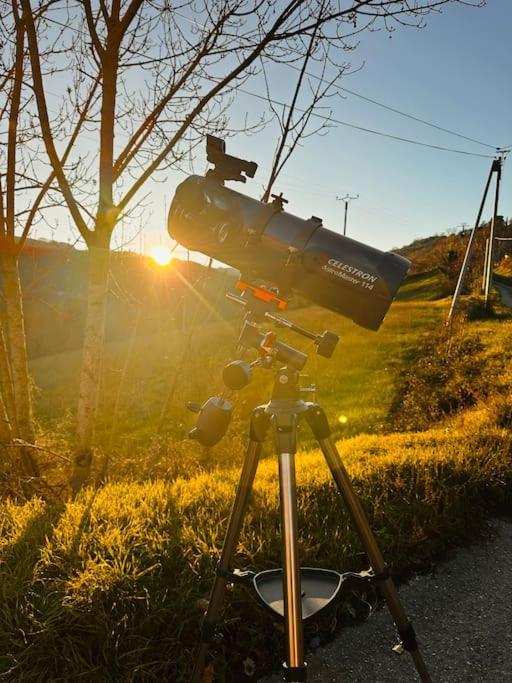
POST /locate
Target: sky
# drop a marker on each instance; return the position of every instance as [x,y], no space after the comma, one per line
[455,73]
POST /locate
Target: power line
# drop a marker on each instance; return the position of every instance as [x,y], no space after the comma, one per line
[369,99]
[397,111]
[355,94]
[418,119]
[366,130]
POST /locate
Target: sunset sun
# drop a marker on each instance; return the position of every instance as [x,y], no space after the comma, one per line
[161,255]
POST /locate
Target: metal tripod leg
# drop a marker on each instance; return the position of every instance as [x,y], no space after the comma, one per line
[245,483]
[294,669]
[285,426]
[318,423]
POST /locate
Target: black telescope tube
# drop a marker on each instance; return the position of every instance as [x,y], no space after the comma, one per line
[299,256]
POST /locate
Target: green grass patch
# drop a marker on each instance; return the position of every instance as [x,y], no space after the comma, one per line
[422,287]
[106,588]
[356,388]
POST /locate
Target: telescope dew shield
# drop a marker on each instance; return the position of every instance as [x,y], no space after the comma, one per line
[299,256]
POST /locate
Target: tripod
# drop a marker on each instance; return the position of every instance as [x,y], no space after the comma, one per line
[296,594]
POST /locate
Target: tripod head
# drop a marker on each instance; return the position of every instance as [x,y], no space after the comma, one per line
[260,304]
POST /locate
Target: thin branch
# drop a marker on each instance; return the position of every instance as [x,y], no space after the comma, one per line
[45,122]
[69,147]
[12,147]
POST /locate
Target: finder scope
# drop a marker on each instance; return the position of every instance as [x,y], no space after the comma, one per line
[264,242]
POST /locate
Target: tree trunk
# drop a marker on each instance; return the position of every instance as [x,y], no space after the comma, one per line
[6,386]
[5,425]
[99,262]
[17,349]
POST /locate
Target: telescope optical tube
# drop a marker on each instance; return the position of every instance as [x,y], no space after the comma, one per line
[298,256]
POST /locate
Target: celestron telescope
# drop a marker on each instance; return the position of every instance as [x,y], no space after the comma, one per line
[267,244]
[264,242]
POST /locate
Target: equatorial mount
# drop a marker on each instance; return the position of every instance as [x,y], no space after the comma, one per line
[262,303]
[214,416]
[294,593]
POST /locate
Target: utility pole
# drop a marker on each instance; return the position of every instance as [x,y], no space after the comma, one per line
[495,169]
[346,199]
[486,257]
[491,250]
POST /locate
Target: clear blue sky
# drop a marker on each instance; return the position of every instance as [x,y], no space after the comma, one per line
[455,72]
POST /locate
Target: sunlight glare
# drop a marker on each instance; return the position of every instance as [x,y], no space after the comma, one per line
[161,255]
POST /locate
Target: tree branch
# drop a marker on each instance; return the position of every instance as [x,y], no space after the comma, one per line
[45,122]
[100,50]
[276,167]
[243,65]
[14,111]
[47,184]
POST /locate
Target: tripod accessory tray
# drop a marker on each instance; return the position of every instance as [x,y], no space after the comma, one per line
[319,588]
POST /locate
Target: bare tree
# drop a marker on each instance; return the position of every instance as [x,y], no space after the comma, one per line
[168,73]
[16,410]
[295,122]
[21,199]
[26,186]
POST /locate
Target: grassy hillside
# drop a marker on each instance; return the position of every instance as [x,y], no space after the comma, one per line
[356,386]
[425,286]
[107,587]
[54,281]
[111,586]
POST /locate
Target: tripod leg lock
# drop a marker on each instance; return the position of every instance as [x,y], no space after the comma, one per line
[235,575]
[260,421]
[295,674]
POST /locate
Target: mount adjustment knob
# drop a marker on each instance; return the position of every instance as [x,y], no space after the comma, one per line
[237,375]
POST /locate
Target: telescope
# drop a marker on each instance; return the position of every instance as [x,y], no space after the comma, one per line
[267,244]
[278,255]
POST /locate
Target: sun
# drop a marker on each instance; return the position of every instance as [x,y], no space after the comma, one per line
[161,255]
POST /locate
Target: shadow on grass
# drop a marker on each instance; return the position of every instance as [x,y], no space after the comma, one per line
[18,566]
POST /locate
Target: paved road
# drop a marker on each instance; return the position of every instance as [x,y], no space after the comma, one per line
[463,616]
[506,293]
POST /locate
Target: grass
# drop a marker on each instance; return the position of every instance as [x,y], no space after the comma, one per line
[356,387]
[422,287]
[111,586]
[105,588]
